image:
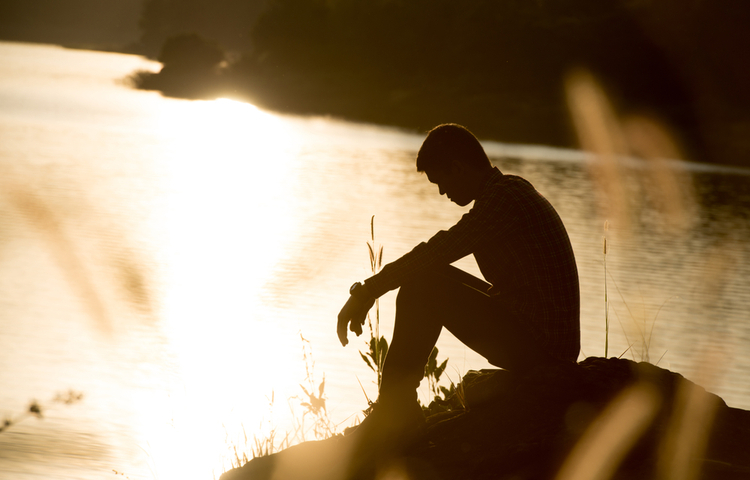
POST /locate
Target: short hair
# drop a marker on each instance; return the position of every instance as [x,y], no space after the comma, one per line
[449,142]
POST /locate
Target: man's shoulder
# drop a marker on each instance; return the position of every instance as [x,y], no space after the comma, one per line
[511,179]
[505,194]
[511,193]
[511,184]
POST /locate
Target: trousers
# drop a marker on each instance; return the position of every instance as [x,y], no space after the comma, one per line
[456,300]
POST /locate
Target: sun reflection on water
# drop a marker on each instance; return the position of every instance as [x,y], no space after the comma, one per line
[230,167]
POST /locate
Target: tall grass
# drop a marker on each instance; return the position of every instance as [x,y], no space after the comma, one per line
[644,329]
[377,345]
[611,135]
[606,297]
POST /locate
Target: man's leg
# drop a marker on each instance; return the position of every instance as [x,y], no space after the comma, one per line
[456,300]
[447,298]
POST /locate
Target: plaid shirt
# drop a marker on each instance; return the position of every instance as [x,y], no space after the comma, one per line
[522,249]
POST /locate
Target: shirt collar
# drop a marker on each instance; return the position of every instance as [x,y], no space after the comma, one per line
[496,174]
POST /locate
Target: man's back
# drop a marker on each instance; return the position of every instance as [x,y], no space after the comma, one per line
[528,258]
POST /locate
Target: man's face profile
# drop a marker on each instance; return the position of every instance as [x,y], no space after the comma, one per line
[452,183]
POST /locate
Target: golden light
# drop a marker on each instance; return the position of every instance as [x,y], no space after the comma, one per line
[229,168]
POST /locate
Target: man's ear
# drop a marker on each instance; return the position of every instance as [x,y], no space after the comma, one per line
[456,168]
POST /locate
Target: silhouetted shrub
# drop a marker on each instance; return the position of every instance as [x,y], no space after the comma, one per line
[190,51]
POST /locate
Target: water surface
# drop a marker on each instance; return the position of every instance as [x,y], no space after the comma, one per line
[164,257]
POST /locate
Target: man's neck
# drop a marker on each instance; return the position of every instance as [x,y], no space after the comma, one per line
[479,179]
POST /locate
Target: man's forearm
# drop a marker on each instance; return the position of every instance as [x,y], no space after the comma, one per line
[467,279]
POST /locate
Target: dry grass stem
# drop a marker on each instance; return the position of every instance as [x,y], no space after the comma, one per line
[606,442]
[599,132]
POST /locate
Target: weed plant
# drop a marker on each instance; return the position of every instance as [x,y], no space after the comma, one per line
[644,332]
[36,410]
[377,350]
[314,400]
[310,419]
[377,345]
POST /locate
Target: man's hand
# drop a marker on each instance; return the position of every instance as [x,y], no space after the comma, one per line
[353,315]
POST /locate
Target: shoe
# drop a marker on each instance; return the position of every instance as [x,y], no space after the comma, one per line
[389,420]
[385,433]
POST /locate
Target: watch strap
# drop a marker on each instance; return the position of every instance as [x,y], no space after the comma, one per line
[359,291]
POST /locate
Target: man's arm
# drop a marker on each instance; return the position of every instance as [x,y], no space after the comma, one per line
[494,215]
[468,279]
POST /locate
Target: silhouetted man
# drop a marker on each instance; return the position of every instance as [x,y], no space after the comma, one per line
[528,313]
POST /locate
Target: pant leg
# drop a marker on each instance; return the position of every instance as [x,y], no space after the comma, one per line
[456,300]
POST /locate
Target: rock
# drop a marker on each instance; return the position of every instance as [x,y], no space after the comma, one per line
[615,417]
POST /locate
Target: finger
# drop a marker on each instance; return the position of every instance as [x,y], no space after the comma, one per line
[341,330]
[356,328]
[357,323]
[343,339]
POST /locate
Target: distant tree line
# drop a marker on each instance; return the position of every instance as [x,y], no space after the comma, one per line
[78,23]
[227,22]
[496,66]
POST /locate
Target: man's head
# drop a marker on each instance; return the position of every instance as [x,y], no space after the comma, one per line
[453,158]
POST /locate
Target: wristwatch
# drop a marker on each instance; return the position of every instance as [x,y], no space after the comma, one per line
[360,291]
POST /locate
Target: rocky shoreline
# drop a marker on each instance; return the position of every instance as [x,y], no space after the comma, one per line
[601,418]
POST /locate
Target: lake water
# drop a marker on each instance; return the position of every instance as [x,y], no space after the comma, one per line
[164,257]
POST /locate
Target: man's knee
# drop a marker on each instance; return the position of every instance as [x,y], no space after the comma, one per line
[425,292]
[413,294]
[437,290]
